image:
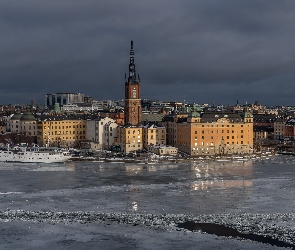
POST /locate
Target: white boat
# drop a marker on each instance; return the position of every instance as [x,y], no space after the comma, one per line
[34,155]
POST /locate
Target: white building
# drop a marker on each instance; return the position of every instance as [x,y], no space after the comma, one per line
[163,150]
[25,124]
[102,131]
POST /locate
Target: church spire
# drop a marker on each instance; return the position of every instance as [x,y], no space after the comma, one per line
[132,71]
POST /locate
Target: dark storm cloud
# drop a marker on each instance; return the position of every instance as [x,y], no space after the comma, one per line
[198,51]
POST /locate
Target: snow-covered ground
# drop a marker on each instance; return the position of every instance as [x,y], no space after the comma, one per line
[97,205]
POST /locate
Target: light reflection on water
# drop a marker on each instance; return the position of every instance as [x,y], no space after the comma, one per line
[173,187]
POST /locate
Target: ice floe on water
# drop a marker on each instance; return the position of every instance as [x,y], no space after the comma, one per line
[268,226]
[241,198]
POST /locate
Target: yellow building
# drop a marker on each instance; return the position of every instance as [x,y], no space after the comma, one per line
[215,133]
[61,132]
[129,138]
[153,135]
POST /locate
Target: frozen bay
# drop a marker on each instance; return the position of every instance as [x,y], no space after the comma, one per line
[96,205]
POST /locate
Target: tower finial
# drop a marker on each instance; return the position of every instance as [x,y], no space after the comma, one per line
[131,44]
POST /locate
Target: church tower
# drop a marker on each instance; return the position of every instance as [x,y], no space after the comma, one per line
[132,107]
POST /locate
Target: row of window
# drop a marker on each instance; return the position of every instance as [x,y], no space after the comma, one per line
[24,127]
[212,137]
[222,131]
[67,138]
[63,127]
[67,132]
[212,143]
[221,125]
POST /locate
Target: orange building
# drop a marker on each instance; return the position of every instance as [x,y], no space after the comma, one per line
[214,133]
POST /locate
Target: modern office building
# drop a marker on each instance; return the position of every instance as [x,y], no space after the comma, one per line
[63,99]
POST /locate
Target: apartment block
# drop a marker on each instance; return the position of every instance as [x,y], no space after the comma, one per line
[153,135]
[129,138]
[102,131]
[61,131]
[214,133]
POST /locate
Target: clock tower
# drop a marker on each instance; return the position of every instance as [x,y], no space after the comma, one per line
[132,105]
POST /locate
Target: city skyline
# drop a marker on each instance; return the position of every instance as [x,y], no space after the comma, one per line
[200,52]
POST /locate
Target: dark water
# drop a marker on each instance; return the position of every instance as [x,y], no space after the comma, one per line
[221,230]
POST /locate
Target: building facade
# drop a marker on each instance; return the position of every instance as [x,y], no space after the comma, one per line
[129,138]
[279,129]
[24,124]
[214,133]
[153,135]
[102,131]
[61,132]
[63,99]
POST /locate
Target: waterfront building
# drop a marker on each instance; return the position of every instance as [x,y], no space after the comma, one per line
[263,133]
[24,124]
[60,131]
[153,135]
[163,150]
[129,138]
[103,131]
[214,133]
[289,130]
[279,129]
[170,123]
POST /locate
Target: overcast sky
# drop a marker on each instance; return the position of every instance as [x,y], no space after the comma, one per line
[199,51]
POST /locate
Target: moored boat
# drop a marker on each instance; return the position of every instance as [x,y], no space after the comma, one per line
[34,155]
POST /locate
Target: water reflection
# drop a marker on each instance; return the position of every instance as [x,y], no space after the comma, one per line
[134,206]
[222,175]
[202,185]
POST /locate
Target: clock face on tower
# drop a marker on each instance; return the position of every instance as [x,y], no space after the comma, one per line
[134,93]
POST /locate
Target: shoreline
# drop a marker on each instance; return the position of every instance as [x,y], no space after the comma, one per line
[172,159]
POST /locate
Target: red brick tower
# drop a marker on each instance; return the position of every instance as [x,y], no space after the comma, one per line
[132,108]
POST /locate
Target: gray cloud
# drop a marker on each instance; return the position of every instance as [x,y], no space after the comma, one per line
[200,51]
